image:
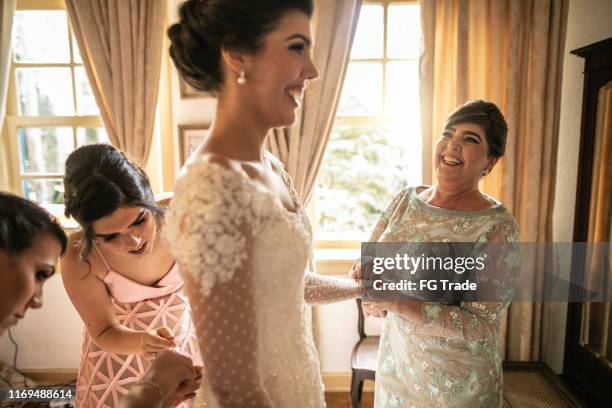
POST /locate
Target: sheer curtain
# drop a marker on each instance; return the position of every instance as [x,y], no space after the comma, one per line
[508,52]
[121,45]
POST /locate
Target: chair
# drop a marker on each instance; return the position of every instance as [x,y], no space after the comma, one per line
[363,359]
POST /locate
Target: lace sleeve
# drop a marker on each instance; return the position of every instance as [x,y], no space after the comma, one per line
[320,289]
[209,230]
[478,320]
[385,216]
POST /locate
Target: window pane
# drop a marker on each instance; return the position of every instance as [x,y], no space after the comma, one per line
[364,167]
[44,191]
[404,31]
[403,90]
[44,150]
[86,102]
[369,37]
[87,136]
[45,91]
[41,36]
[362,90]
[76,53]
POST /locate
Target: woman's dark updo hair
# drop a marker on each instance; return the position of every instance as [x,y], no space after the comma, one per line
[205,26]
[98,180]
[22,221]
[486,114]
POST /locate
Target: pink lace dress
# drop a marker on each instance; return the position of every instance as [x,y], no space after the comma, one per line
[104,377]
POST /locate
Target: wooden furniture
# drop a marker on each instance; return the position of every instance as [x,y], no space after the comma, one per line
[588,348]
[364,359]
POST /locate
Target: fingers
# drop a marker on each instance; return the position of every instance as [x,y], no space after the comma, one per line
[155,343]
[164,332]
[374,309]
[189,387]
[355,271]
[198,372]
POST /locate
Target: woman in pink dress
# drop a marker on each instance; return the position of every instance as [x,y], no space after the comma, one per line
[120,276]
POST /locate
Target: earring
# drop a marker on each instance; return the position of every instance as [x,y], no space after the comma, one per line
[241,79]
[485,172]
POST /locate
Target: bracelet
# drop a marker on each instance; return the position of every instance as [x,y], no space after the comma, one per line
[157,388]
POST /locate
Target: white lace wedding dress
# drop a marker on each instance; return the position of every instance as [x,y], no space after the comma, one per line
[244,257]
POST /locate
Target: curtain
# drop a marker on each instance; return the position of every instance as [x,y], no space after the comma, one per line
[121,45]
[301,147]
[510,53]
[7,11]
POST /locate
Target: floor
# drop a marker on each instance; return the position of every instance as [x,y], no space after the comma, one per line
[524,387]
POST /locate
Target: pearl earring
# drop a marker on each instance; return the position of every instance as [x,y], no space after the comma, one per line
[485,172]
[241,79]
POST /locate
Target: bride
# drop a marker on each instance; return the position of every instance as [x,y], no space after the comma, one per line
[236,226]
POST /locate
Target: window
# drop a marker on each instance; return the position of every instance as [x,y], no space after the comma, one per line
[51,107]
[375,145]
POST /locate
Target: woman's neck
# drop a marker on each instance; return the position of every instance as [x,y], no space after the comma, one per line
[466,199]
[237,133]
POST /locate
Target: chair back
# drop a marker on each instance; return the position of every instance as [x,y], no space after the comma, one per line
[360,321]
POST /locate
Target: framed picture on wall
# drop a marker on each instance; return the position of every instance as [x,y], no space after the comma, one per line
[190,136]
[189,92]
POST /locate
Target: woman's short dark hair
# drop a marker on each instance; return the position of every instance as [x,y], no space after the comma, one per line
[22,221]
[489,116]
[206,26]
[98,180]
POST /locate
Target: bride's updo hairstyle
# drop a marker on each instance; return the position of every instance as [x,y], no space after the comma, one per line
[206,26]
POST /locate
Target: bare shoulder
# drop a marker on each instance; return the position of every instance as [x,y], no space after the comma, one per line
[71,263]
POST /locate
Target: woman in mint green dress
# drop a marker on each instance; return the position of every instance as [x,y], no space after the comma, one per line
[435,354]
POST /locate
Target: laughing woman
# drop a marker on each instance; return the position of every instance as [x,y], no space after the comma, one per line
[119,275]
[435,354]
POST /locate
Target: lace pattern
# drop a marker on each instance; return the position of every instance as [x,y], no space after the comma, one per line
[450,357]
[244,257]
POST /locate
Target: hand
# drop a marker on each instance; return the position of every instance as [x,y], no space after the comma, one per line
[374,309]
[355,271]
[176,375]
[155,341]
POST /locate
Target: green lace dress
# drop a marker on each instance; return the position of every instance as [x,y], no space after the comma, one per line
[451,356]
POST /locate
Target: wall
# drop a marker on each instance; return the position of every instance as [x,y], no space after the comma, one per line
[588,21]
[58,326]
[48,338]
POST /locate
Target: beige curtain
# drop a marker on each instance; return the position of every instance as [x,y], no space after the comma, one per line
[121,44]
[301,147]
[508,52]
[7,11]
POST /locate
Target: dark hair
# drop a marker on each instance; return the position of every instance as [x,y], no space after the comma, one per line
[206,26]
[98,180]
[489,116]
[22,221]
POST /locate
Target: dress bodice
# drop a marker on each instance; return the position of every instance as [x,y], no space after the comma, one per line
[247,254]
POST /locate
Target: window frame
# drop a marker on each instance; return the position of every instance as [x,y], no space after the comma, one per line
[15,121]
[339,245]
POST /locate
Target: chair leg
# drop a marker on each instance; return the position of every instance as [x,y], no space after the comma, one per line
[356,388]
